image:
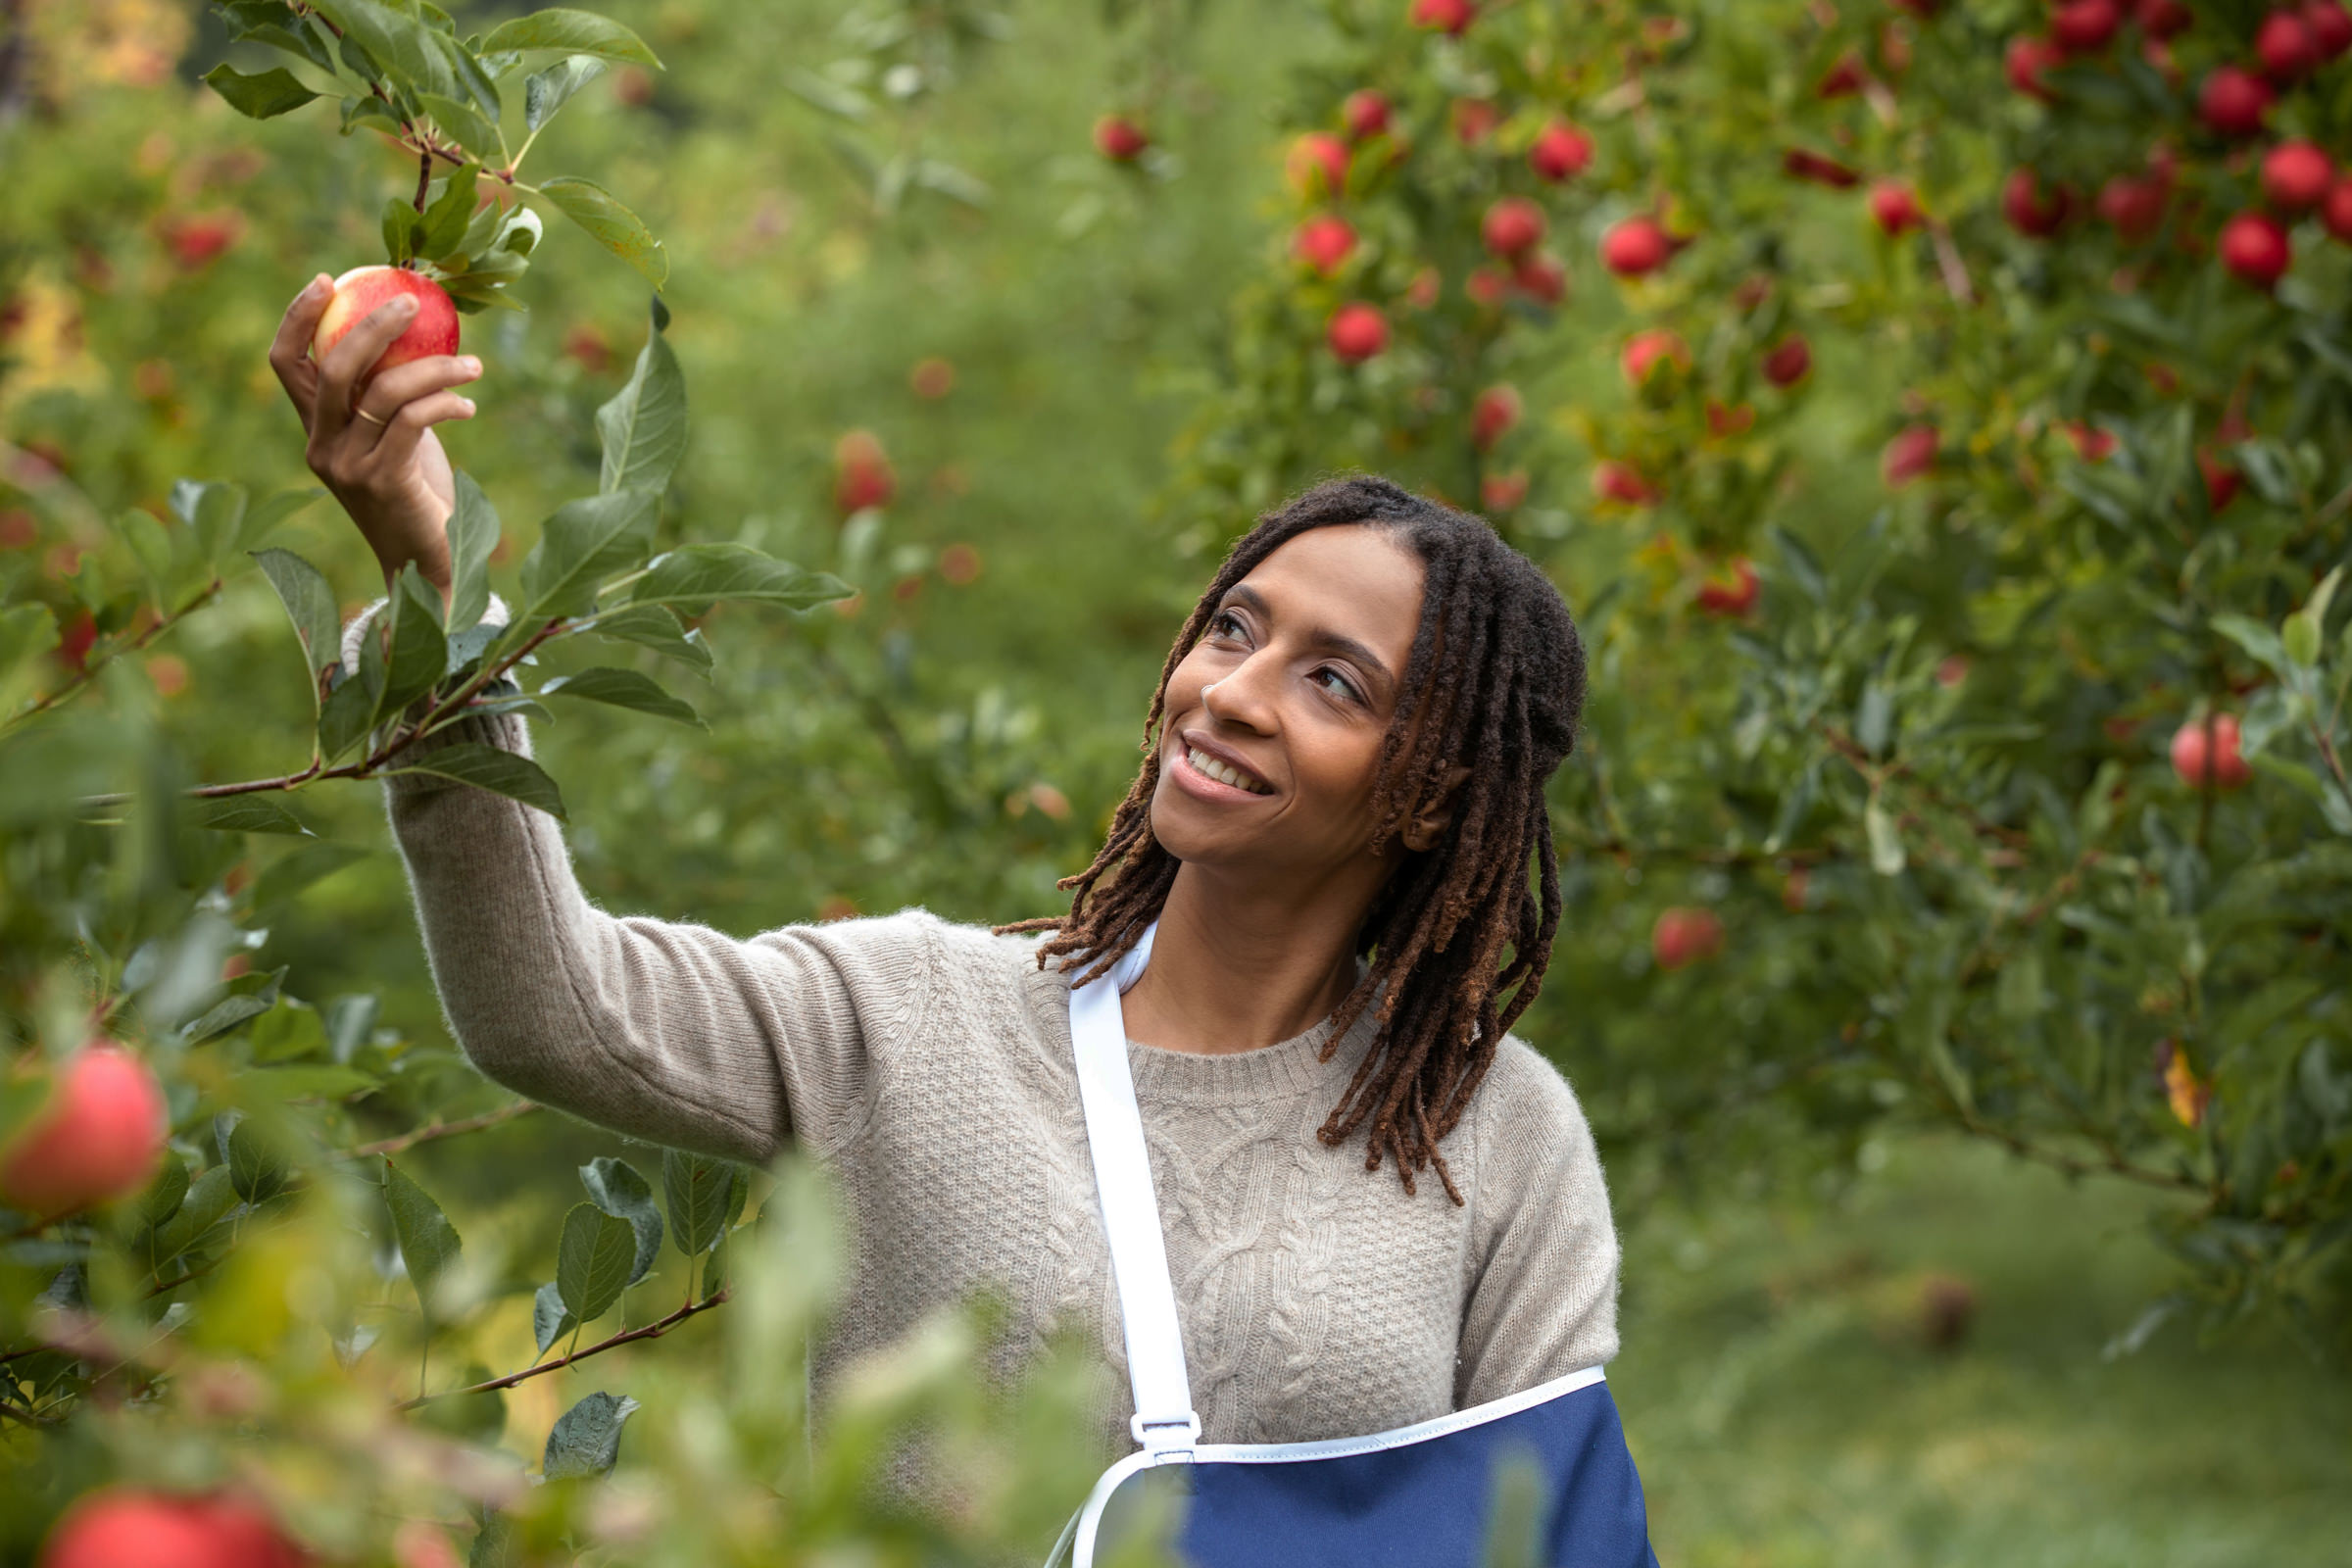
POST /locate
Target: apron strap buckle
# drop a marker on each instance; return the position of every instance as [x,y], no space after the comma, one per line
[1167,1439]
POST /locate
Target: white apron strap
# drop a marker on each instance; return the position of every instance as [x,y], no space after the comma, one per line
[1164,1420]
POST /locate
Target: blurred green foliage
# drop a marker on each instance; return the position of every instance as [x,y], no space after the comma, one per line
[1920,785]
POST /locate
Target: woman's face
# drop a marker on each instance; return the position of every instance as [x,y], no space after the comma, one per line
[1301,663]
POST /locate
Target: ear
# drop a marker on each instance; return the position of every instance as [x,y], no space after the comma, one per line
[1423,827]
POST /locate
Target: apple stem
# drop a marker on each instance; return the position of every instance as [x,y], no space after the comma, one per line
[424,174]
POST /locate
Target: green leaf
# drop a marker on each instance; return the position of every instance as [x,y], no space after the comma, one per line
[26,631]
[404,230]
[313,1080]
[249,996]
[473,535]
[1885,844]
[402,45]
[546,91]
[614,1187]
[428,1242]
[693,576]
[613,226]
[163,1195]
[265,515]
[579,32]
[275,91]
[448,216]
[643,428]
[256,1169]
[1802,564]
[699,1191]
[623,688]
[214,510]
[586,1440]
[349,709]
[657,627]
[291,874]
[241,813]
[584,542]
[490,767]
[2300,638]
[419,651]
[549,1322]
[593,1261]
[310,602]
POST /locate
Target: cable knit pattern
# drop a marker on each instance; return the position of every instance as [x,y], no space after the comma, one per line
[929,1064]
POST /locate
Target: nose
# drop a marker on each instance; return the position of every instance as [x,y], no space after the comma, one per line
[1244,696]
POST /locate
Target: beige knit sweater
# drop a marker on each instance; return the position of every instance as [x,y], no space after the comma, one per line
[929,1064]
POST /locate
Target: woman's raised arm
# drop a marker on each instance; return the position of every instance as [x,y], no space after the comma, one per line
[665,1030]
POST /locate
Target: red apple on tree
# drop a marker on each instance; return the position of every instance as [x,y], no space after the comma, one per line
[1682,936]
[2134,204]
[1560,151]
[1513,226]
[2026,59]
[1647,350]
[130,1527]
[2336,210]
[2286,48]
[1733,597]
[1788,362]
[2222,480]
[1909,456]
[1357,332]
[1502,492]
[1444,16]
[1844,79]
[1895,208]
[2254,247]
[432,330]
[2330,27]
[2296,175]
[1620,481]
[1324,243]
[2033,210]
[1317,165]
[1494,414]
[1365,113]
[1542,277]
[2233,103]
[1120,139]
[2163,19]
[1636,247]
[2205,753]
[97,1138]
[2085,26]
[863,476]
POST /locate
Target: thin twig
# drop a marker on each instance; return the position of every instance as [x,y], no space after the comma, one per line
[441,1129]
[651,1331]
[90,670]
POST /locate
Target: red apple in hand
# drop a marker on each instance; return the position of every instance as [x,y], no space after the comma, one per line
[432,330]
[98,1138]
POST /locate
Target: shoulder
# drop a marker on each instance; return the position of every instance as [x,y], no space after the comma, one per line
[1532,1141]
[1526,1096]
[934,960]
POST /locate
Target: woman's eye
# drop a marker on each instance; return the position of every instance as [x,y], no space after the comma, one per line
[1344,687]
[1225,623]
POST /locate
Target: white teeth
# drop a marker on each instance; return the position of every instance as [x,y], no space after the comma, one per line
[1222,772]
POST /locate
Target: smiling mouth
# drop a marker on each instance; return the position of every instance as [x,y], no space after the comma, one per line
[1224,773]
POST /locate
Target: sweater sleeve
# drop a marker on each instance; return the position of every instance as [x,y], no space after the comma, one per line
[665,1030]
[1543,1287]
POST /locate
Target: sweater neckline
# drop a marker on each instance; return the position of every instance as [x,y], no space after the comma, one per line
[1284,1069]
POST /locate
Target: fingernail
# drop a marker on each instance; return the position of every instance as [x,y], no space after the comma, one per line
[467,404]
[470,366]
[404,307]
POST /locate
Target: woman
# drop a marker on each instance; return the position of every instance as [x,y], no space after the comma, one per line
[1335,825]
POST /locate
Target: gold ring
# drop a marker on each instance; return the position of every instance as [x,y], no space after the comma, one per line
[373,419]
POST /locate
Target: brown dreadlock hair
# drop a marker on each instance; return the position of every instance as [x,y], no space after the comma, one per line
[1496,674]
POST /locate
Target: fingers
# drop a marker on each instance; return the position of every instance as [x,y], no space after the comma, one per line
[349,360]
[388,391]
[289,351]
[398,444]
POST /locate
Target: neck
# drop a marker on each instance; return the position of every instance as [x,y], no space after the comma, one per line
[1237,967]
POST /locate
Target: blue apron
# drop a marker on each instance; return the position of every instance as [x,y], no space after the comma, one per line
[1417,1496]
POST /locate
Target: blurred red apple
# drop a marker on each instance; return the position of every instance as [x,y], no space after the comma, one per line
[863,476]
[2205,753]
[2254,247]
[1365,114]
[1634,247]
[1789,361]
[1317,165]
[1895,208]
[1560,151]
[1357,332]
[1324,243]
[1910,455]
[1733,597]
[2031,209]
[1119,139]
[1645,351]
[2296,175]
[1443,16]
[1682,936]
[1494,414]
[97,1138]
[2233,103]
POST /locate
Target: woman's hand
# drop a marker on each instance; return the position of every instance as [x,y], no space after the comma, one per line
[372,441]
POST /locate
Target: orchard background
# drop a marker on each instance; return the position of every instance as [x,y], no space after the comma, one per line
[1940,418]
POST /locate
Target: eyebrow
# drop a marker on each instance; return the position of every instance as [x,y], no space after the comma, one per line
[1320,636]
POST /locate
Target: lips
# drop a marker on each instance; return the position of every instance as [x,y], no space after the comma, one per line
[1219,764]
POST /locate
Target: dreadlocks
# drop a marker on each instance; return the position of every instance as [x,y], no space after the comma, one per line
[1496,674]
